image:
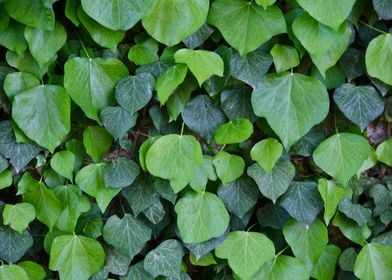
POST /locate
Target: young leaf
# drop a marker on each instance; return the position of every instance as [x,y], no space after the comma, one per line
[283,268]
[234,131]
[97,142]
[63,163]
[384,152]
[228,167]
[378,51]
[18,216]
[298,112]
[5,179]
[374,262]
[121,172]
[144,52]
[285,57]
[33,270]
[12,272]
[169,81]
[13,245]
[246,252]
[265,3]
[266,153]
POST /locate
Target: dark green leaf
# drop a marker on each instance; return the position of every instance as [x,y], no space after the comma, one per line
[117,121]
[13,245]
[121,172]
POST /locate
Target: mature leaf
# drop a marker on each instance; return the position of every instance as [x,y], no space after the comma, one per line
[137,272]
[329,12]
[325,267]
[285,57]
[374,262]
[199,37]
[275,183]
[306,241]
[272,215]
[117,121]
[378,51]
[246,252]
[169,81]
[171,21]
[341,155]
[12,272]
[63,163]
[351,229]
[90,82]
[155,213]
[18,82]
[201,216]
[298,112]
[12,37]
[238,21]
[121,172]
[308,143]
[3,164]
[266,152]
[117,14]
[33,270]
[234,131]
[201,249]
[265,3]
[97,142]
[361,104]
[384,152]
[18,216]
[283,268]
[26,63]
[347,259]
[115,263]
[76,257]
[174,157]
[239,196]
[127,235]
[235,102]
[134,92]
[228,167]
[383,8]
[357,212]
[353,64]
[202,116]
[13,245]
[43,113]
[165,260]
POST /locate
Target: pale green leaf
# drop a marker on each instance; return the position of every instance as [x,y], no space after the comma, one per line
[266,152]
[283,268]
[234,131]
[265,3]
[144,52]
[97,142]
[203,173]
[180,98]
[12,272]
[12,37]
[325,267]
[285,57]
[63,163]
[206,260]
[374,262]
[228,167]
[384,152]
[18,216]
[5,179]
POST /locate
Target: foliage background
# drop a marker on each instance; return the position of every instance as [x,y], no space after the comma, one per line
[171,139]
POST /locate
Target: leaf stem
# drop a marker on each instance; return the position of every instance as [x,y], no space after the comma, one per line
[373,28]
[284,249]
[83,46]
[182,128]
[223,147]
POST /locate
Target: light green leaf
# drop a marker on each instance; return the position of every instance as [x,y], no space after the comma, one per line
[374,262]
[33,270]
[171,21]
[331,194]
[18,216]
[246,252]
[174,157]
[63,163]
[134,92]
[285,57]
[266,152]
[117,121]
[90,82]
[325,267]
[203,64]
[121,172]
[228,167]
[361,104]
[283,268]
[76,257]
[18,82]
[234,131]
[169,81]
[265,3]
[239,23]
[351,229]
[272,185]
[12,272]
[13,245]
[306,242]
[117,14]
[91,180]
[165,260]
[384,152]
[144,52]
[5,179]
[128,235]
[201,216]
[298,112]
[43,113]
[341,155]
[203,173]
[97,142]
[44,44]
[329,12]
[356,212]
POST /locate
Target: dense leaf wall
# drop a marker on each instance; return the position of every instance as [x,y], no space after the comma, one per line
[172,139]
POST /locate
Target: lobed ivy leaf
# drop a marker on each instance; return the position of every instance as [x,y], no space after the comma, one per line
[117,121]
[383,8]
[121,172]
[201,249]
[137,272]
[273,216]
[357,212]
[199,37]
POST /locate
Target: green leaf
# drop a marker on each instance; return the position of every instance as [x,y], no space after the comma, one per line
[306,241]
[351,229]
[35,13]
[171,21]
[18,216]
[298,112]
[234,131]
[275,183]
[199,37]
[206,260]
[26,63]
[361,104]
[384,152]
[169,81]
[144,52]
[12,272]
[90,82]
[203,64]
[203,248]
[239,196]
[44,44]
[266,152]
[331,194]
[12,37]
[235,102]
[246,252]
[117,121]
[165,260]
[63,163]
[18,82]
[341,155]
[265,3]
[134,92]
[97,142]
[3,164]
[137,272]
[228,167]
[121,173]
[76,257]
[13,245]
[174,157]
[203,173]
[383,8]
[347,259]
[127,235]
[5,179]
[43,113]
[378,51]
[356,212]
[285,57]
[238,21]
[374,262]
[273,216]
[115,263]
[201,216]
[283,268]
[33,270]
[91,180]
[117,14]
[325,267]
[180,98]
[329,12]
[302,201]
